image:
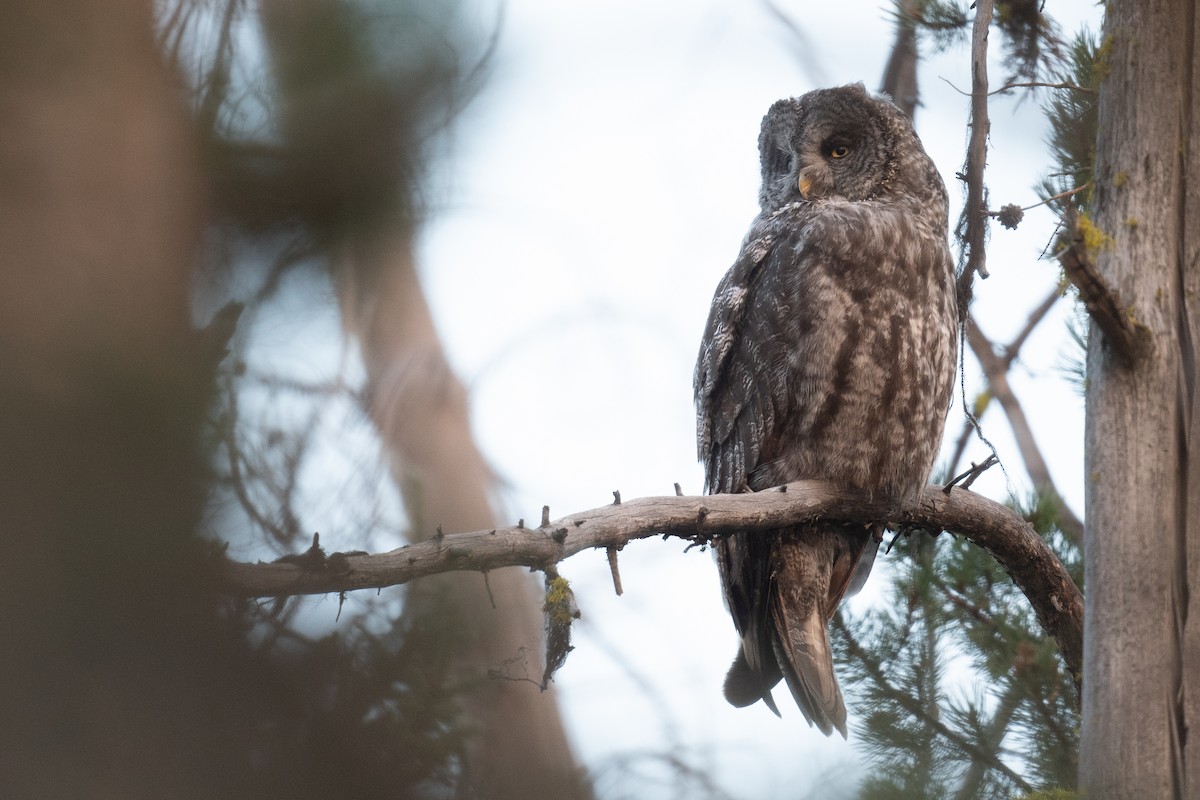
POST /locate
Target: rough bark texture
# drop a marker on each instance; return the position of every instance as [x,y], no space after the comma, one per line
[1142,658]
[420,409]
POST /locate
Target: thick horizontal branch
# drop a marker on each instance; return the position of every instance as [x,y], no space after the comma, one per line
[1128,338]
[1009,538]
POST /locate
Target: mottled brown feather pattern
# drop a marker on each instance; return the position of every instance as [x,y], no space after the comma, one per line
[829,353]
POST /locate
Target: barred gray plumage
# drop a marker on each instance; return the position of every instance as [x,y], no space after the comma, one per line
[829,353]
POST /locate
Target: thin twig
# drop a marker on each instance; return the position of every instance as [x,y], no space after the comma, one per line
[968,477]
[972,227]
[1059,196]
[616,573]
[1040,85]
[488,585]
[1010,355]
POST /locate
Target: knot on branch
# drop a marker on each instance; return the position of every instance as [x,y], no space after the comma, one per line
[1129,339]
[314,559]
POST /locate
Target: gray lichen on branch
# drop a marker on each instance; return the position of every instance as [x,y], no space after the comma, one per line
[1030,562]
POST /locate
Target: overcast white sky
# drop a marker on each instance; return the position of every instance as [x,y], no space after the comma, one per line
[594,195]
[597,192]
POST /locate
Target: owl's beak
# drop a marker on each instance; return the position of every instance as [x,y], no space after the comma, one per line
[805,185]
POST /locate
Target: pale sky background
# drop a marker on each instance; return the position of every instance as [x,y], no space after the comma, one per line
[593,196]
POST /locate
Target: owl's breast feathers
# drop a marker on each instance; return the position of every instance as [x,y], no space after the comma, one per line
[829,351]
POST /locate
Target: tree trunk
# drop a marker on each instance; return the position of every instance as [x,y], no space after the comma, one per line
[521,751]
[101,484]
[1142,646]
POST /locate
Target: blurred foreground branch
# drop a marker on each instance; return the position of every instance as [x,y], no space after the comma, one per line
[1055,598]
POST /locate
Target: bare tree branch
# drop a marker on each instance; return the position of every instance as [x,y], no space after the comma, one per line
[1056,600]
[995,367]
[1060,196]
[973,227]
[900,74]
[1041,85]
[1010,355]
[1013,349]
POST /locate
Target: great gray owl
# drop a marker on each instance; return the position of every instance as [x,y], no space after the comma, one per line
[829,353]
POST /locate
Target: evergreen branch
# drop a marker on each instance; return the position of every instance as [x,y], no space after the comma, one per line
[904,699]
[992,736]
[963,604]
[1051,723]
[1010,539]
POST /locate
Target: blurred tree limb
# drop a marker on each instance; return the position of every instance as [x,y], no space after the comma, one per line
[1054,596]
[995,368]
[356,134]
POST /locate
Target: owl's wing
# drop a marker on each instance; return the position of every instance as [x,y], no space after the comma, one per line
[738,404]
[744,396]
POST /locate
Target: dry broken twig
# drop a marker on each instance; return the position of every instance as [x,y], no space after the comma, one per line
[1009,538]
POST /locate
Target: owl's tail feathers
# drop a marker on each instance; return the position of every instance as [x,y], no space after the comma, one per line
[803,652]
[745,686]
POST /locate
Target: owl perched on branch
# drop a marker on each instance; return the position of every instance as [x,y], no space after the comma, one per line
[829,353]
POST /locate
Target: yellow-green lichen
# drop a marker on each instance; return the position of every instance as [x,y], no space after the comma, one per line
[1121,179]
[1100,65]
[1051,794]
[982,400]
[559,605]
[1094,239]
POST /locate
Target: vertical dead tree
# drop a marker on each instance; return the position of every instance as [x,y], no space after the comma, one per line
[900,74]
[421,411]
[1142,639]
[101,484]
[365,133]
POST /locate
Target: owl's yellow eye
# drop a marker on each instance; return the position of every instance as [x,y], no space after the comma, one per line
[839,151]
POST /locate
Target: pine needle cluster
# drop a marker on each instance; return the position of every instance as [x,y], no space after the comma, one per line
[958,691]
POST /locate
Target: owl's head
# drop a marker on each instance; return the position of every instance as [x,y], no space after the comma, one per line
[837,143]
